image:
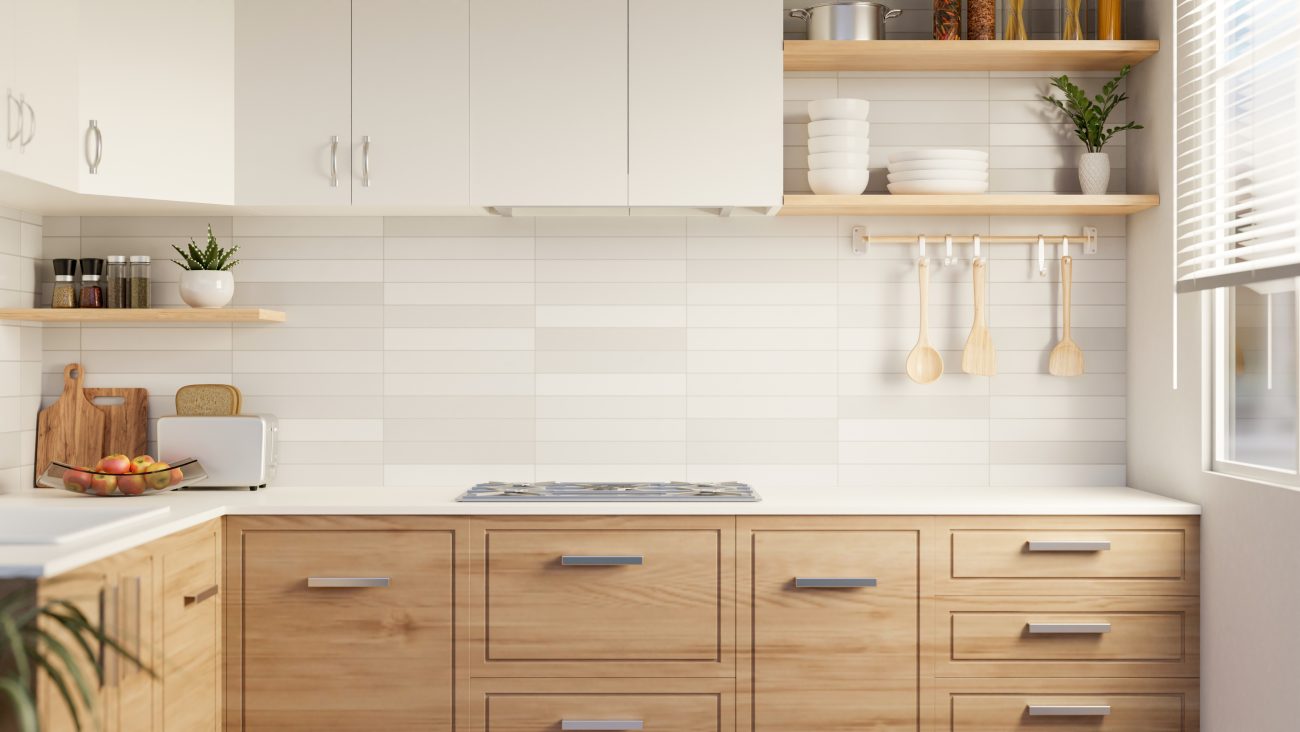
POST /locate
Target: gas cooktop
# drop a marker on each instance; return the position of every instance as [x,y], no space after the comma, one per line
[555,491]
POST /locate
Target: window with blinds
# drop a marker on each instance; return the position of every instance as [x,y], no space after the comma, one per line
[1238,122]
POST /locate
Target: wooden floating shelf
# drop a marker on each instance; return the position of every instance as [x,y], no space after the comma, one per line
[966,55]
[150,315]
[1012,204]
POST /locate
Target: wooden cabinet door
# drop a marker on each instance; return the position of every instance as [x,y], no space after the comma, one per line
[191,632]
[135,688]
[548,103]
[346,629]
[704,122]
[832,612]
[88,589]
[549,705]
[410,98]
[292,99]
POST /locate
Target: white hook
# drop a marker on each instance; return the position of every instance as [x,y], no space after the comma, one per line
[1065,246]
[975,240]
[920,246]
[947,245]
[1042,256]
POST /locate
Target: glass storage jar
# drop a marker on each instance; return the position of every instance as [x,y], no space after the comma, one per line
[116,279]
[65,290]
[139,287]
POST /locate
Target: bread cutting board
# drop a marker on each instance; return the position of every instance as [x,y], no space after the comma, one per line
[71,430]
[126,429]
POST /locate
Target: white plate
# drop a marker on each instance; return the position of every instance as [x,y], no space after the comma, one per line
[938,165]
[911,175]
[938,187]
[938,154]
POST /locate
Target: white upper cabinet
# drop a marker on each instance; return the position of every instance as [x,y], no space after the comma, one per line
[156,79]
[410,97]
[548,103]
[39,72]
[705,103]
[8,86]
[293,110]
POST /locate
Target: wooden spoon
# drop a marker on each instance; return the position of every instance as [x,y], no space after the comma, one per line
[978,357]
[1067,357]
[924,364]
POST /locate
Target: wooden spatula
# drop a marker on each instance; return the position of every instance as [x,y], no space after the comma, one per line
[924,364]
[1067,357]
[978,357]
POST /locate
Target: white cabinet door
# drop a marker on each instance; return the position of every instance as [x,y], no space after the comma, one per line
[156,77]
[9,122]
[705,117]
[292,78]
[42,61]
[410,97]
[548,103]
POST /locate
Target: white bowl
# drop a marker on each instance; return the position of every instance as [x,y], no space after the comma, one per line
[938,165]
[838,109]
[938,175]
[825,127]
[838,143]
[847,160]
[838,181]
[938,154]
[932,187]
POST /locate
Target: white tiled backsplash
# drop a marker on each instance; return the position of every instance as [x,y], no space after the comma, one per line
[20,347]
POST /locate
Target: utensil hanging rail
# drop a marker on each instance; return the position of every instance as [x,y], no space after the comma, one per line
[862,239]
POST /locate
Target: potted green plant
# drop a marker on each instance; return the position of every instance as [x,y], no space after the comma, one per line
[1089,119]
[56,639]
[207,281]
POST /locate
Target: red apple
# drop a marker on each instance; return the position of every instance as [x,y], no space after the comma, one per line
[118,464]
[77,480]
[141,464]
[103,485]
[132,485]
[159,476]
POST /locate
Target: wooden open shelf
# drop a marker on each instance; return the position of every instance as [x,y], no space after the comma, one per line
[966,55]
[988,204]
[150,315]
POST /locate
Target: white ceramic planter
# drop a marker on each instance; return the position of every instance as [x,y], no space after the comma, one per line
[207,289]
[1094,173]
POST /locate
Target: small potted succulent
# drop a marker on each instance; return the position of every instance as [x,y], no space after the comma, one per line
[207,281]
[1089,119]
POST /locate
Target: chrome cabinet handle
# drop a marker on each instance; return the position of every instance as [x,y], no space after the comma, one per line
[609,560]
[1069,546]
[13,135]
[201,595]
[93,161]
[833,582]
[1068,628]
[365,161]
[334,161]
[602,724]
[30,132]
[1052,710]
[345,582]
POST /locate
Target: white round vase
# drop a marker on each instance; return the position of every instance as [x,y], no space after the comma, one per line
[206,288]
[1094,173]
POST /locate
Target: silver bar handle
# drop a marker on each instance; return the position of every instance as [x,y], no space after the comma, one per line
[204,594]
[30,131]
[334,161]
[345,582]
[1070,546]
[833,582]
[93,161]
[1054,710]
[365,161]
[10,103]
[602,724]
[602,560]
[1068,628]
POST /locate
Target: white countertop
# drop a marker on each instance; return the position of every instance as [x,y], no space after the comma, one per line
[189,508]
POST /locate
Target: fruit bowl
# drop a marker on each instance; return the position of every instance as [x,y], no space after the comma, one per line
[91,482]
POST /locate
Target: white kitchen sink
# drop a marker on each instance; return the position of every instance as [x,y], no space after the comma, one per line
[68,524]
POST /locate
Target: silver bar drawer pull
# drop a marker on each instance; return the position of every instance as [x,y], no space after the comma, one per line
[1069,628]
[602,724]
[1052,710]
[602,560]
[833,582]
[344,582]
[1069,546]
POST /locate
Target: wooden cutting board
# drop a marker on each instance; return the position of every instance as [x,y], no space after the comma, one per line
[71,430]
[127,411]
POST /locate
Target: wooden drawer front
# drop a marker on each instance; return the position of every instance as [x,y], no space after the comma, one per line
[1126,713]
[584,601]
[549,712]
[191,634]
[1068,637]
[340,658]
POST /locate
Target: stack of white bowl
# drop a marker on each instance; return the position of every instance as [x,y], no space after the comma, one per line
[837,146]
[938,171]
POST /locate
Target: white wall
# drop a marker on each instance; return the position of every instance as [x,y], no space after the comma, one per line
[20,348]
[1250,545]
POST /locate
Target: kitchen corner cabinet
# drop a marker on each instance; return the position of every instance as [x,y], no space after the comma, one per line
[38,78]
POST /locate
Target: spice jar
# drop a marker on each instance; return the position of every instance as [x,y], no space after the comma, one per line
[981,20]
[116,278]
[65,291]
[139,287]
[92,294]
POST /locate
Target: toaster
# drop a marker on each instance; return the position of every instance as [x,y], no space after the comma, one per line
[236,452]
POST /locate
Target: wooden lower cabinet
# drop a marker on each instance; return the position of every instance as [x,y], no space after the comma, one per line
[1069,705]
[190,651]
[548,705]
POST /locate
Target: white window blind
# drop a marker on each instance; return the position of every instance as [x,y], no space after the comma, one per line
[1238,121]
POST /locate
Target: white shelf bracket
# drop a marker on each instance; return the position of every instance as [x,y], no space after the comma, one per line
[860,240]
[726,211]
[506,211]
[1090,240]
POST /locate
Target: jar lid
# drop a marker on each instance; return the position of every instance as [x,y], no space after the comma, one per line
[90,278]
[140,259]
[92,266]
[65,267]
[62,278]
[116,258]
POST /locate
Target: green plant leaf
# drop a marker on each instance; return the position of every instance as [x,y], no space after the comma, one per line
[56,678]
[24,708]
[70,664]
[19,655]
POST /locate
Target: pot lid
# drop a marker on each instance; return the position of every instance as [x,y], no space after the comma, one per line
[864,3]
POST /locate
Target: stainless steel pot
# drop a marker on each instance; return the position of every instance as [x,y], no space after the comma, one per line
[846,20]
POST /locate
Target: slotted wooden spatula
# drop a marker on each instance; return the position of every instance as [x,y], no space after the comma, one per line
[1067,357]
[924,364]
[978,357]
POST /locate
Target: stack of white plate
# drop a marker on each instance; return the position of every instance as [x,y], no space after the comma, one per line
[938,171]
[837,146]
